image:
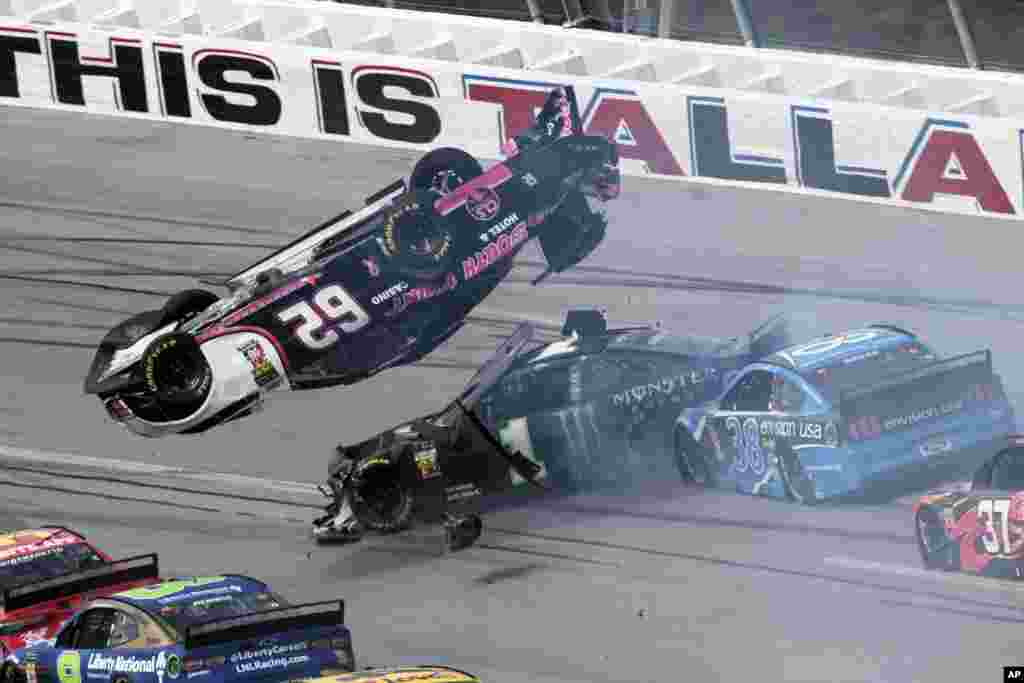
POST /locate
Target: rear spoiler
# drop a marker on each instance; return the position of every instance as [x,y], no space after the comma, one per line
[130,569]
[331,228]
[309,615]
[942,366]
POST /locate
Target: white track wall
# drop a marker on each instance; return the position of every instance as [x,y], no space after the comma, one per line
[944,139]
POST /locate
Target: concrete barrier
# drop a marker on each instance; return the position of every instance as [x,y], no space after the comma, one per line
[263,67]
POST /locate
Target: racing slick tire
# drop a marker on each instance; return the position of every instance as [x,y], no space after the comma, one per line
[176,372]
[187,303]
[417,241]
[381,500]
[937,550]
[443,170]
[692,461]
[795,479]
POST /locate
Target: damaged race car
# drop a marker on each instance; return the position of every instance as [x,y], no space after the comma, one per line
[869,412]
[433,470]
[33,563]
[596,408]
[365,291]
[593,409]
[977,528]
[223,628]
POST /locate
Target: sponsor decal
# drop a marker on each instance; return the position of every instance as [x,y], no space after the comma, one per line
[193,594]
[937,445]
[98,661]
[29,551]
[417,294]
[388,293]
[494,252]
[824,468]
[263,371]
[168,665]
[372,267]
[268,664]
[426,461]
[461,491]
[810,430]
[500,227]
[210,601]
[268,650]
[34,636]
[666,386]
[483,203]
[911,419]
[29,557]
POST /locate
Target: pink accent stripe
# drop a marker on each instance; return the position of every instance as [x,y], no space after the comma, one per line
[491,178]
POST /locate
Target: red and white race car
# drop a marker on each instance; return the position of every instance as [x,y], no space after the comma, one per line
[977,528]
[46,573]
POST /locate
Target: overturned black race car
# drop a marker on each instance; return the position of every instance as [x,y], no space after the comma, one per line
[431,470]
[365,291]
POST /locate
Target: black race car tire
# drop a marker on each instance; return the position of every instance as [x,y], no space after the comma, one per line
[187,303]
[464,166]
[799,486]
[691,460]
[411,213]
[176,372]
[929,532]
[430,268]
[383,502]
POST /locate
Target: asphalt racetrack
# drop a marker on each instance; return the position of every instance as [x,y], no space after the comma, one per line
[673,584]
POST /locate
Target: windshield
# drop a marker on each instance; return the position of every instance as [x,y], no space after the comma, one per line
[30,565]
[203,608]
[868,367]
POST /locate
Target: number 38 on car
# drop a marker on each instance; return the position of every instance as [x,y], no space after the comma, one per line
[871,410]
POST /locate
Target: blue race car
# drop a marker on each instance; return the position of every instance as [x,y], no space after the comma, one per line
[871,408]
[221,628]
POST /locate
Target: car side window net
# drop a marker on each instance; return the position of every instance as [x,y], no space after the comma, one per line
[750,394]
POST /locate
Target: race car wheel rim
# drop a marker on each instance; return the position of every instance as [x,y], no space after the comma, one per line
[180,373]
[798,484]
[383,506]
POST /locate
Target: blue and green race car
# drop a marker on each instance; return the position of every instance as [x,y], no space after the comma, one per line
[218,628]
